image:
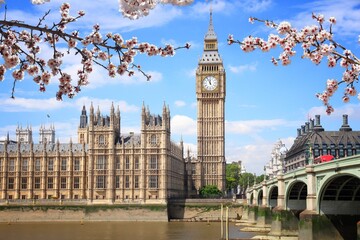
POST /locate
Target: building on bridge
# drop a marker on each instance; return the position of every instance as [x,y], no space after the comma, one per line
[105,166]
[313,141]
[276,163]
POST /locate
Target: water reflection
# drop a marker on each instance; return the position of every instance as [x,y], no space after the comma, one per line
[117,231]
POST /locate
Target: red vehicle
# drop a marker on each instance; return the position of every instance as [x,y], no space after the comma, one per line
[323,158]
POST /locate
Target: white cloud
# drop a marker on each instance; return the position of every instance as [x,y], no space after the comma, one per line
[254,155]
[51,104]
[254,5]
[105,104]
[352,110]
[243,68]
[180,103]
[204,8]
[29,104]
[253,126]
[345,12]
[183,125]
[114,20]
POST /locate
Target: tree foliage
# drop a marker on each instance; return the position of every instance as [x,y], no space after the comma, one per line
[232,175]
[210,191]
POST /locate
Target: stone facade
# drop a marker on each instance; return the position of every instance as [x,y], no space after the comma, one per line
[106,166]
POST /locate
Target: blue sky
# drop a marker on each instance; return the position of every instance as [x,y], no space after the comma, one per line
[264,103]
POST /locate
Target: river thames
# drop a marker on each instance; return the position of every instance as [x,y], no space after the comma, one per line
[117,231]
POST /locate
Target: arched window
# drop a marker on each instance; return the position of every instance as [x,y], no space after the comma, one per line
[153,139]
[101,139]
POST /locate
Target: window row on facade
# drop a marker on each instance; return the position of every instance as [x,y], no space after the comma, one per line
[101,163]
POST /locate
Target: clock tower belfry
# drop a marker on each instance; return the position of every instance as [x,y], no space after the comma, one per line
[210,94]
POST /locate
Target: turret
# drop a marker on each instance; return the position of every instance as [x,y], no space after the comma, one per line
[83,118]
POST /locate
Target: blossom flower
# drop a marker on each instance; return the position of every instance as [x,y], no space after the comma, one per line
[18,74]
[284,27]
[332,20]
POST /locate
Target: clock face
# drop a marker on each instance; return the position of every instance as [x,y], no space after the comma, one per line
[210,83]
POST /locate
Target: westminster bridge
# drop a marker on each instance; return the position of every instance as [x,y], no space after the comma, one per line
[319,201]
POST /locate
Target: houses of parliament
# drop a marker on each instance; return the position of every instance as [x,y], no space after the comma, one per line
[109,166]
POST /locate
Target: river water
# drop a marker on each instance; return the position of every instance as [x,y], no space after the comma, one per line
[118,231]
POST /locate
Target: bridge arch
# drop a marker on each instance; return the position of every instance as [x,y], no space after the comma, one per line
[339,194]
[295,195]
[260,197]
[251,199]
[273,196]
[339,200]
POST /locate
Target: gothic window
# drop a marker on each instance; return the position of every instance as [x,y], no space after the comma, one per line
[349,149]
[81,138]
[153,162]
[333,150]
[63,182]
[50,183]
[12,165]
[127,162]
[341,150]
[357,148]
[117,163]
[316,150]
[24,165]
[51,164]
[37,183]
[153,181]
[136,182]
[101,162]
[100,181]
[324,149]
[76,182]
[63,164]
[153,139]
[77,164]
[137,162]
[37,164]
[117,181]
[127,181]
[11,183]
[24,183]
[1,164]
[101,139]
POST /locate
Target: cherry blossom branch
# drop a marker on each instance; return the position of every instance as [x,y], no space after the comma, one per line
[20,45]
[317,43]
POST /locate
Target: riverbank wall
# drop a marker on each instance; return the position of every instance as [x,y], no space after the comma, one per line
[193,211]
[83,214]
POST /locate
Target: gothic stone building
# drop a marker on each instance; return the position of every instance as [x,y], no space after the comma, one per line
[106,166]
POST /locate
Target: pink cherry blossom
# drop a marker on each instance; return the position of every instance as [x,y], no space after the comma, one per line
[317,42]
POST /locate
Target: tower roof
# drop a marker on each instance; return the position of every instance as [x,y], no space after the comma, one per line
[210,35]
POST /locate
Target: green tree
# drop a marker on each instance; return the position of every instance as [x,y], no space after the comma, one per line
[210,191]
[246,179]
[232,176]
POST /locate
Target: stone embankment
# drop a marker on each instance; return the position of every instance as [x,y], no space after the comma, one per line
[68,214]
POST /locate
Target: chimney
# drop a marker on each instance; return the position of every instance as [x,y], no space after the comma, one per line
[302,129]
[298,132]
[311,124]
[318,127]
[307,127]
[345,126]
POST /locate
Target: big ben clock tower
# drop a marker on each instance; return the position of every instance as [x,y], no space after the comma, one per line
[210,94]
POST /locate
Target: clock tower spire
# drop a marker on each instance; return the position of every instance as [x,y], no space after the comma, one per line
[210,94]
